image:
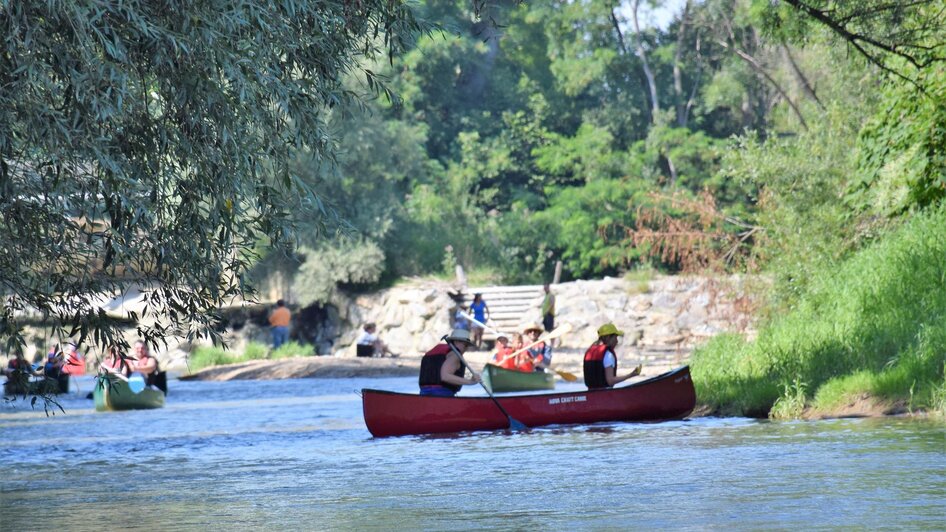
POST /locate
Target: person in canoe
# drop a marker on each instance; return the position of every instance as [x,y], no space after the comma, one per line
[54,362]
[148,366]
[501,357]
[116,362]
[75,362]
[601,364]
[441,370]
[540,354]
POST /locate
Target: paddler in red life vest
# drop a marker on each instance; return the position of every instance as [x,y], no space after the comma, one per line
[501,357]
[601,364]
[441,371]
[540,354]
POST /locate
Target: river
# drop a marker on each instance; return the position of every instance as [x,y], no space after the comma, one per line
[295,454]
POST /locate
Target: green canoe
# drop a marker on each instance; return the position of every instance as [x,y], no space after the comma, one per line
[501,380]
[113,393]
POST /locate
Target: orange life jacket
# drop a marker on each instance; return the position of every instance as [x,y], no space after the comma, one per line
[500,358]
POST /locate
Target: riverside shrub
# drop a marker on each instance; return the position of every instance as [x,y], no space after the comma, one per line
[873,324]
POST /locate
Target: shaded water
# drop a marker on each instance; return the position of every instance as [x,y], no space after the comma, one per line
[295,454]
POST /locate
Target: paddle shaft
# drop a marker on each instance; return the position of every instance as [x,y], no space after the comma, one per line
[497,333]
[559,331]
[563,374]
[513,424]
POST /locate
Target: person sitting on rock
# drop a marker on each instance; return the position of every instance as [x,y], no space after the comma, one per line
[369,344]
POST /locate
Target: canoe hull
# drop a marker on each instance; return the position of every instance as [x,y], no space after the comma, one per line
[24,385]
[665,397]
[501,380]
[112,394]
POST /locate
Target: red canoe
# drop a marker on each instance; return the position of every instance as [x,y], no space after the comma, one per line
[665,397]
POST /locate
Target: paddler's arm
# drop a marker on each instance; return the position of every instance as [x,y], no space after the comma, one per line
[450,365]
[612,379]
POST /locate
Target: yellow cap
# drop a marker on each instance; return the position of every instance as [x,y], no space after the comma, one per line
[608,329]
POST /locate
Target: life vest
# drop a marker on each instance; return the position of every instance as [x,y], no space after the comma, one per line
[75,364]
[502,353]
[430,365]
[525,363]
[594,366]
[538,353]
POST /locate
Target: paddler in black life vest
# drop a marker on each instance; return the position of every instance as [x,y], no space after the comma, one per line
[441,371]
[601,364]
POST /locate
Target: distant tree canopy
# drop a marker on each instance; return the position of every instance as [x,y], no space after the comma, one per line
[558,130]
[150,143]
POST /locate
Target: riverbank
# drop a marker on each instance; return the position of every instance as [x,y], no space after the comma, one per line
[566,360]
[569,360]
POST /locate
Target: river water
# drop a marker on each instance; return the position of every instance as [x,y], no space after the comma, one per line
[295,454]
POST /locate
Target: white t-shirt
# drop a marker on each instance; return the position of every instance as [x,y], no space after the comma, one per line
[367,338]
[608,360]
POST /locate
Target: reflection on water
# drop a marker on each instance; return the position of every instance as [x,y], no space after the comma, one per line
[295,454]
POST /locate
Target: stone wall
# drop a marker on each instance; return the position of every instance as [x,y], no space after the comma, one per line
[659,312]
[663,313]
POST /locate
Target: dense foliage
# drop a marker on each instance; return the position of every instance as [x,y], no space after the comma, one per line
[559,133]
[147,145]
[875,324]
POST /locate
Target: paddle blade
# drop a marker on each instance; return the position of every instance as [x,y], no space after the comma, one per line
[570,377]
[561,330]
[516,425]
[136,382]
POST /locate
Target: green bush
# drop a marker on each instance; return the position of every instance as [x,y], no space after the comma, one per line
[875,324]
[292,349]
[205,357]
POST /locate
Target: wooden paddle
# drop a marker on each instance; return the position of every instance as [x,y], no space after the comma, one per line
[570,377]
[558,331]
[513,424]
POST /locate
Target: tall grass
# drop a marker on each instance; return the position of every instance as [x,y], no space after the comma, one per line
[204,357]
[875,325]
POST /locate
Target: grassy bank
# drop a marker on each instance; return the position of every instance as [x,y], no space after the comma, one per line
[205,357]
[873,328]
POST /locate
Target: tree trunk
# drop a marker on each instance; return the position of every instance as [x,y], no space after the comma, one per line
[681,104]
[768,77]
[651,81]
[800,77]
[622,47]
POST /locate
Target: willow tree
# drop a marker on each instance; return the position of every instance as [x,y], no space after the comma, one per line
[146,144]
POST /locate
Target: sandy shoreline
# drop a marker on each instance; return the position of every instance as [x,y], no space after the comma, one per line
[569,360]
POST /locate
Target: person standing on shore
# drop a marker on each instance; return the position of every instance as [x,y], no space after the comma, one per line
[601,364]
[279,321]
[441,370]
[480,314]
[548,309]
